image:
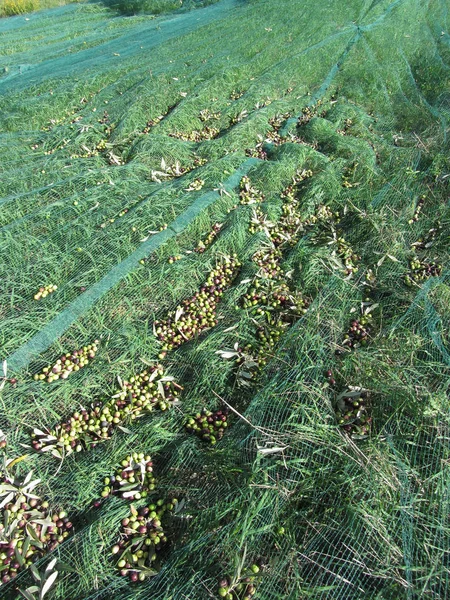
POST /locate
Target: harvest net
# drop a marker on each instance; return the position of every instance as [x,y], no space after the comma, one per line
[312,143]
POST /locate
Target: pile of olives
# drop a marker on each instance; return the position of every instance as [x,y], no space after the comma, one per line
[268,336]
[347,255]
[196,185]
[329,375]
[420,270]
[308,112]
[203,244]
[268,260]
[258,220]
[207,425]
[269,295]
[323,215]
[141,539]
[207,133]
[274,137]
[249,194]
[236,94]
[68,363]
[206,115]
[45,290]
[151,123]
[251,359]
[241,586]
[352,413]
[418,210]
[133,478]
[197,313]
[29,529]
[358,333]
[87,427]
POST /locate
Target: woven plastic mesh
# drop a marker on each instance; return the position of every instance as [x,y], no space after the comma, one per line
[94,108]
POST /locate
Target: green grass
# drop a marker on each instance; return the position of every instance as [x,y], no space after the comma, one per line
[362,518]
[9,8]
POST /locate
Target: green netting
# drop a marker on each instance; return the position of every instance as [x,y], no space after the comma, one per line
[123,140]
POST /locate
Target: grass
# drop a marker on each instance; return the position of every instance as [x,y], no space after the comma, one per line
[9,8]
[326,515]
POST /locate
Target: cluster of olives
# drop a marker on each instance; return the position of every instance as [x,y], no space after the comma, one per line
[86,428]
[197,313]
[151,123]
[206,115]
[104,118]
[369,278]
[195,185]
[236,94]
[420,270]
[141,538]
[348,123]
[352,414]
[133,479]
[174,258]
[268,336]
[238,117]
[273,136]
[257,152]
[268,260]
[323,214]
[308,112]
[207,133]
[68,363]
[45,290]
[248,194]
[203,244]
[329,375]
[258,220]
[29,529]
[241,587]
[358,333]
[277,120]
[254,357]
[268,295]
[418,210]
[290,224]
[347,255]
[176,170]
[207,425]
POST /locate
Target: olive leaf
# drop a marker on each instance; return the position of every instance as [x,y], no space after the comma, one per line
[48,584]
[19,556]
[5,370]
[28,592]
[45,580]
[8,498]
[227,354]
[124,429]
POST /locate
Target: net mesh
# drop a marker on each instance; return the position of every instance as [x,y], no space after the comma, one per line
[123,140]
